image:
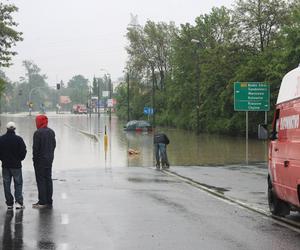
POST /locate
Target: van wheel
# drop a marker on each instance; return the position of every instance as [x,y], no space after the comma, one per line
[277,206]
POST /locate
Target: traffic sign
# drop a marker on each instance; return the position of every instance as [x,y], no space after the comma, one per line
[251,96]
[148,111]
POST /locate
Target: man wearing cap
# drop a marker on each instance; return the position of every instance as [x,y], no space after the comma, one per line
[12,153]
[43,154]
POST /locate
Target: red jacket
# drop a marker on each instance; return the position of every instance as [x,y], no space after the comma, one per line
[43,143]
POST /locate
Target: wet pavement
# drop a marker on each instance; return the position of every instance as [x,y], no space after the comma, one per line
[244,183]
[135,208]
[108,200]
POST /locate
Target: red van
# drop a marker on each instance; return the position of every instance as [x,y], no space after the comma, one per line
[284,148]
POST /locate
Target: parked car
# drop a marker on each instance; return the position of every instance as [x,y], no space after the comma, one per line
[79,109]
[138,125]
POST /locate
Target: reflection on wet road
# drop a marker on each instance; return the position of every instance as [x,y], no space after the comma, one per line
[12,237]
[135,208]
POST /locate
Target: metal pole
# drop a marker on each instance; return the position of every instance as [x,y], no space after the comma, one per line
[110,95]
[90,102]
[266,117]
[198,95]
[265,141]
[153,98]
[98,106]
[198,42]
[128,116]
[247,137]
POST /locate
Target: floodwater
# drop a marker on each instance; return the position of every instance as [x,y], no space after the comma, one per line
[77,150]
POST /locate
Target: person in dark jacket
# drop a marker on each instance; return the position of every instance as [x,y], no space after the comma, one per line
[160,144]
[43,154]
[12,153]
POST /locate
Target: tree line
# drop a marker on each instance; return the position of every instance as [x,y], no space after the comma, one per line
[254,41]
[33,86]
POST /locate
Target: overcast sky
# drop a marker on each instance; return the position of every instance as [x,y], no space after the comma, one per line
[70,37]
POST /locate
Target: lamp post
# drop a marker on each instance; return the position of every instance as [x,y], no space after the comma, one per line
[198,84]
[128,117]
[110,92]
[109,86]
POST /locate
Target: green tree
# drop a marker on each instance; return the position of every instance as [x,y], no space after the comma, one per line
[150,49]
[8,35]
[257,40]
[34,87]
[78,89]
[259,21]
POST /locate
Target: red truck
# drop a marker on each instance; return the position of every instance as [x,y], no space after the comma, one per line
[284,148]
[79,109]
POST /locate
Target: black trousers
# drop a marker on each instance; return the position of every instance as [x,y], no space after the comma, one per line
[44,182]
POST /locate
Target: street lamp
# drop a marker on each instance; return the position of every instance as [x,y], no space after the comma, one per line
[110,90]
[127,79]
[198,84]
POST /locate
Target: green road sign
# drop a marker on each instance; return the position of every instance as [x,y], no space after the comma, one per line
[251,96]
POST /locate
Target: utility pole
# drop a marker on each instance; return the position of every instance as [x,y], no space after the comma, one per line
[153,96]
[110,95]
[197,83]
[128,107]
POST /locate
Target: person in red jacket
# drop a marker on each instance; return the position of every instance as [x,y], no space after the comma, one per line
[44,144]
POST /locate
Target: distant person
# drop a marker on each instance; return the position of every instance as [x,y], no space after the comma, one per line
[43,109]
[160,144]
[12,153]
[43,154]
[58,108]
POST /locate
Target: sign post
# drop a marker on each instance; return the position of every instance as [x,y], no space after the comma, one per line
[251,96]
[148,111]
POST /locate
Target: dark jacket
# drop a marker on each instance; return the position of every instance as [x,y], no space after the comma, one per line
[161,138]
[12,150]
[43,143]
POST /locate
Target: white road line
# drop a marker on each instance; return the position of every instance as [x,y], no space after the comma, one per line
[64,219]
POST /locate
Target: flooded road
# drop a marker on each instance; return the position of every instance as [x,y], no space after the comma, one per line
[76,150]
[99,203]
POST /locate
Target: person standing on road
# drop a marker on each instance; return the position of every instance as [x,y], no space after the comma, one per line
[44,144]
[160,144]
[12,153]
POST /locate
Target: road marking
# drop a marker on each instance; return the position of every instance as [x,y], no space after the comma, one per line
[278,220]
[64,196]
[64,219]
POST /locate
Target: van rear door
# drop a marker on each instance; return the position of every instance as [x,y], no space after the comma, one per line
[286,153]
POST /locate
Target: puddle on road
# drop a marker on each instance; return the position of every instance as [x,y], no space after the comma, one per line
[217,189]
[148,180]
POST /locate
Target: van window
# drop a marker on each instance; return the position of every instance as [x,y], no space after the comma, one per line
[275,128]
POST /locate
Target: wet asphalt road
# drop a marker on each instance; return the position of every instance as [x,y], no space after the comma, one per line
[101,205]
[135,208]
